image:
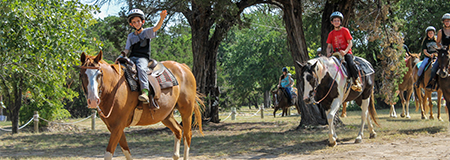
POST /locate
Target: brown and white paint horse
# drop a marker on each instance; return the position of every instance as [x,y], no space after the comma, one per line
[106,89]
[323,81]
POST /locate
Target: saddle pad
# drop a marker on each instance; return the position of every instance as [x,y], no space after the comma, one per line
[426,67]
[166,78]
[364,65]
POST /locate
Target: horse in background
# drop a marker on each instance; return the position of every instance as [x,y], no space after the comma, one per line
[405,89]
[324,82]
[423,98]
[107,90]
[443,76]
[281,101]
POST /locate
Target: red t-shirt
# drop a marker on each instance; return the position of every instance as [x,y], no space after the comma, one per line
[338,39]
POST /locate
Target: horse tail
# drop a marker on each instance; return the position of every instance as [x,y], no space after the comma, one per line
[372,111]
[199,106]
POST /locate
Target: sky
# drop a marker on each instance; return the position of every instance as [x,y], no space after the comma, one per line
[106,10]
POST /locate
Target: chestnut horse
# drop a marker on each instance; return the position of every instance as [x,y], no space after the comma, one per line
[106,89]
[324,83]
[280,101]
[423,99]
[405,89]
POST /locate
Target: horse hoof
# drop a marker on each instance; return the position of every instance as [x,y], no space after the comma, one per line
[373,135]
[409,117]
[175,157]
[358,140]
[423,117]
[440,119]
[402,115]
[431,117]
[344,115]
[394,116]
[332,144]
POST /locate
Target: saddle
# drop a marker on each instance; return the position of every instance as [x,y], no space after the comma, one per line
[159,77]
[361,65]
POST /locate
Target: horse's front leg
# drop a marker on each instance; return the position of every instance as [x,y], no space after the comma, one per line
[406,104]
[116,134]
[364,116]
[439,98]
[124,146]
[332,136]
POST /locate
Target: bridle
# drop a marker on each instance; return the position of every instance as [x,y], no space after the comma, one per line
[316,84]
[100,90]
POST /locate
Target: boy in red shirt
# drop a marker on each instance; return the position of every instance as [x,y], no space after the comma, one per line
[340,40]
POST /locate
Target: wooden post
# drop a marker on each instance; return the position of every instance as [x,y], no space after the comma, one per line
[36,122]
[262,111]
[94,114]
[233,113]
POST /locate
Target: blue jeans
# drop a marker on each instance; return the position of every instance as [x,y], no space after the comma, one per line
[422,66]
[142,68]
[288,91]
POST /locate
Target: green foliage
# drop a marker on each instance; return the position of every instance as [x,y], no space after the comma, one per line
[416,16]
[250,60]
[40,41]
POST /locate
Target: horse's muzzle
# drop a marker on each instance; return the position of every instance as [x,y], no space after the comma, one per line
[308,100]
[443,73]
[93,102]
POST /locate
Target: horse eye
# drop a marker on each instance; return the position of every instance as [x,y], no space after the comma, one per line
[308,78]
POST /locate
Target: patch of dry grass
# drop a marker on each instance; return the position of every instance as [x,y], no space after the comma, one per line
[248,136]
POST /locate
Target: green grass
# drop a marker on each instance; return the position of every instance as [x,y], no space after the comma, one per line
[247,135]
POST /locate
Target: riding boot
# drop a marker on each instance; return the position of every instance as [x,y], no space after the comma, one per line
[144,96]
[357,85]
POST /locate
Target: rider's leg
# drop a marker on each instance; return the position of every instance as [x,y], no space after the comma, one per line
[353,72]
[432,81]
[421,68]
[141,67]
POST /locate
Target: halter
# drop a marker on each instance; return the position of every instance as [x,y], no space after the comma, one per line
[99,92]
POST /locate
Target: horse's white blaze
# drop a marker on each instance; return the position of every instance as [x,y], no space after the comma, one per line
[186,150]
[108,155]
[176,153]
[307,88]
[127,154]
[92,87]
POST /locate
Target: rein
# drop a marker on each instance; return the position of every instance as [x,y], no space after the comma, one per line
[329,90]
[100,92]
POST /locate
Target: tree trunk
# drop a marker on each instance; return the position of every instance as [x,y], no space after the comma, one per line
[16,103]
[266,99]
[297,44]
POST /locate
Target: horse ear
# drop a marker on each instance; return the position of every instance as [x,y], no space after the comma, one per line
[99,57]
[314,65]
[83,58]
[300,64]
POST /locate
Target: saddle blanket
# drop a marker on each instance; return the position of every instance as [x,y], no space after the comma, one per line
[361,64]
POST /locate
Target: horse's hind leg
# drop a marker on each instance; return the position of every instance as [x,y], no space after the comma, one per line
[173,125]
[124,146]
[186,109]
[344,109]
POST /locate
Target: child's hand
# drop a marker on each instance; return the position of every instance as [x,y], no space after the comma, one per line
[163,14]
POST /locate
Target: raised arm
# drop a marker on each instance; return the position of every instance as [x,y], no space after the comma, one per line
[163,15]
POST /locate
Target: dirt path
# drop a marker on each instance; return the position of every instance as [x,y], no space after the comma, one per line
[429,147]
